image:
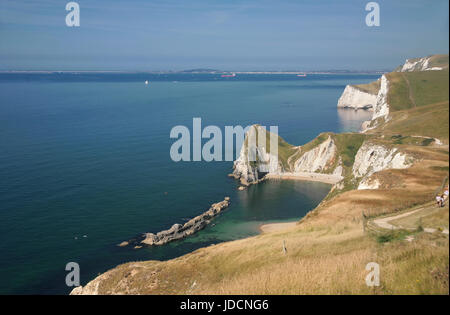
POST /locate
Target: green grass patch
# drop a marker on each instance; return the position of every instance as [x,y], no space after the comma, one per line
[440,168]
[425,87]
[348,145]
[429,121]
[285,150]
[371,88]
[391,236]
[315,142]
[399,139]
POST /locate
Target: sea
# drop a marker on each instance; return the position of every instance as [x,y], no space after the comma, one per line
[85,164]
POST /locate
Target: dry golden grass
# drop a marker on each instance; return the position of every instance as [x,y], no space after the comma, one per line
[430,120]
[429,216]
[319,260]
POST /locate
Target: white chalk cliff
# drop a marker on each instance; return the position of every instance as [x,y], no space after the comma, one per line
[321,158]
[381,108]
[418,64]
[372,158]
[263,162]
[318,159]
[353,97]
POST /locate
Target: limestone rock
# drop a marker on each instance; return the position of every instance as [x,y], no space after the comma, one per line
[418,64]
[381,108]
[318,159]
[353,97]
[372,158]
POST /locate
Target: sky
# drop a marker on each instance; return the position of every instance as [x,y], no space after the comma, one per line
[157,35]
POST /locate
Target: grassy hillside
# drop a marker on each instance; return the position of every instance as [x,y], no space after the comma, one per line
[430,121]
[371,88]
[418,104]
[439,61]
[412,89]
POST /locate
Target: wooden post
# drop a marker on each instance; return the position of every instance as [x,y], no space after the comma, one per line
[284,247]
[363,221]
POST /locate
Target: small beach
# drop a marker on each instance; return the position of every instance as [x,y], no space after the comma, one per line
[305,176]
[274,227]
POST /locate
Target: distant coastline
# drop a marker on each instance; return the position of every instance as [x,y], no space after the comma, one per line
[293,72]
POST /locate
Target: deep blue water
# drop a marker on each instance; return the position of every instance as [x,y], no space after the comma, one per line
[84,164]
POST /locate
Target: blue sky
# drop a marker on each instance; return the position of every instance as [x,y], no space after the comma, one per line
[223,34]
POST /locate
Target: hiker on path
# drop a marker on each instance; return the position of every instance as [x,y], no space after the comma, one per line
[439,201]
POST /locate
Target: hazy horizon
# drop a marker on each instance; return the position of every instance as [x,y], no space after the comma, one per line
[250,35]
[199,70]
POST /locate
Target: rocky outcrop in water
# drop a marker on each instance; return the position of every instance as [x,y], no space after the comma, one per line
[251,170]
[179,231]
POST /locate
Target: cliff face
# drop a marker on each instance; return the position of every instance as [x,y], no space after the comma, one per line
[373,97]
[357,98]
[317,160]
[255,159]
[381,108]
[326,158]
[346,160]
[320,156]
[353,97]
[372,158]
[418,64]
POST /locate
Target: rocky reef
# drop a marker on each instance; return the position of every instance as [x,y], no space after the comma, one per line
[179,231]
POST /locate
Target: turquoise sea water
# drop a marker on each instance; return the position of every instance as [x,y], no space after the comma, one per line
[84,165]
